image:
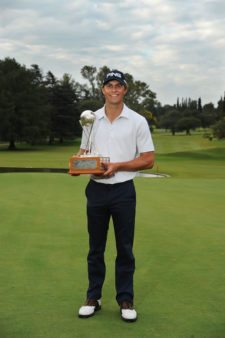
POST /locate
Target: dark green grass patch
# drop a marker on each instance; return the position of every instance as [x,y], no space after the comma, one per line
[204,163]
[179,247]
[215,154]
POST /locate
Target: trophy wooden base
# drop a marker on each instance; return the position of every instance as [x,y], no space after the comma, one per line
[79,165]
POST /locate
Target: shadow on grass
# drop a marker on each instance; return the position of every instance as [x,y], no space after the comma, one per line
[33,170]
[208,154]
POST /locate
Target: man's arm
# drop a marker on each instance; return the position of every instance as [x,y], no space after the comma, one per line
[143,161]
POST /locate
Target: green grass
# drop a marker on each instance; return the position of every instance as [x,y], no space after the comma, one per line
[179,248]
[189,156]
[179,156]
[40,156]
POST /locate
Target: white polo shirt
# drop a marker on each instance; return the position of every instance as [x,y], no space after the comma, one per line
[122,140]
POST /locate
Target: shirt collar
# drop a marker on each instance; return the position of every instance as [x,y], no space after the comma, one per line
[124,113]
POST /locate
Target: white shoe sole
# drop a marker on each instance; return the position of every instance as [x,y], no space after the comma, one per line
[128,315]
[87,311]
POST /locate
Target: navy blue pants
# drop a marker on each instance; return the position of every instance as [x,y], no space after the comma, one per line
[103,202]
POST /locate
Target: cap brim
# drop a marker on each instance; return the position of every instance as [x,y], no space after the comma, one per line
[113,79]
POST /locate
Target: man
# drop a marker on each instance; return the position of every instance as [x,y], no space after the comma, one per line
[124,136]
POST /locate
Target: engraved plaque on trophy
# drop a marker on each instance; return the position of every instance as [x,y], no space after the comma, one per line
[90,162]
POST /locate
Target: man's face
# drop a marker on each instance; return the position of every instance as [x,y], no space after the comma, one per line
[114,92]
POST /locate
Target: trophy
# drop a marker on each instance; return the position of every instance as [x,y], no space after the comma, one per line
[90,162]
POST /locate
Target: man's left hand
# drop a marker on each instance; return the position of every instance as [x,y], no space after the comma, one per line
[110,169]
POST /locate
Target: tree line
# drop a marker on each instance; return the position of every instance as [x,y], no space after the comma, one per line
[37,107]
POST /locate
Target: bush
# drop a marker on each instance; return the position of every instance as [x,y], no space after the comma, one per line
[219,129]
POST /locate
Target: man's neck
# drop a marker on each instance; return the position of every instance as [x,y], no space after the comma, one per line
[113,111]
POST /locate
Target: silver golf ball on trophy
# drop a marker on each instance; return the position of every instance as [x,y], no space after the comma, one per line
[90,162]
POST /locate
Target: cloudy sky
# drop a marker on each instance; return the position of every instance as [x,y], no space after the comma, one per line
[177,47]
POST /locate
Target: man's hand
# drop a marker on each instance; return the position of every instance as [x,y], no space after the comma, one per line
[144,161]
[110,169]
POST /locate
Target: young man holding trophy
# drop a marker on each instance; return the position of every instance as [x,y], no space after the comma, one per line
[121,136]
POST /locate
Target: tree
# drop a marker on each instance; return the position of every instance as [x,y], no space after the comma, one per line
[187,123]
[101,75]
[139,96]
[151,119]
[200,105]
[208,115]
[37,113]
[169,119]
[66,118]
[89,73]
[219,129]
[220,111]
[22,103]
[50,85]
[89,104]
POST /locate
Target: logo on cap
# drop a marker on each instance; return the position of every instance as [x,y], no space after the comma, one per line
[114,74]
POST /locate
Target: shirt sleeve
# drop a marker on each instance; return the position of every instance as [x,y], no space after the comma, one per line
[144,137]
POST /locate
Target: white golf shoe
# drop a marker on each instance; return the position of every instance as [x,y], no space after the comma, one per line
[89,309]
[128,314]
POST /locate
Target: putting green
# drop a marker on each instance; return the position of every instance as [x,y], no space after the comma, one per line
[179,248]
